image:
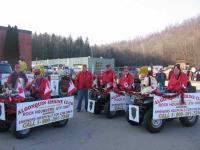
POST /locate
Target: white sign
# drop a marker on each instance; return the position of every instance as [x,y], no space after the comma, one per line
[173,108]
[54,85]
[37,113]
[2,111]
[134,113]
[30,77]
[117,102]
[4,78]
[91,106]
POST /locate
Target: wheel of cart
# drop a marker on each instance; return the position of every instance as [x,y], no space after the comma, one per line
[60,124]
[189,121]
[4,126]
[21,133]
[152,125]
[109,114]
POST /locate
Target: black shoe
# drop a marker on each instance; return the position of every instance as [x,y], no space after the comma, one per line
[78,110]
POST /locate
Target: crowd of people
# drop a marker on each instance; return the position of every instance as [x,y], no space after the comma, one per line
[177,80]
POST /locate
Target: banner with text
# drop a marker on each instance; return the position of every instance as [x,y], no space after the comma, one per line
[37,113]
[173,108]
[117,102]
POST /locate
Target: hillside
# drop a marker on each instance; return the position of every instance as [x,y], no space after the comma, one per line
[177,42]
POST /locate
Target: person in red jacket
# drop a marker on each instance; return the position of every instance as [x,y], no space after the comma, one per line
[39,87]
[83,82]
[12,78]
[126,80]
[178,80]
[108,76]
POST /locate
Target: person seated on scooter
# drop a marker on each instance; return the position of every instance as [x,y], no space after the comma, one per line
[64,84]
[12,78]
[126,80]
[178,80]
[38,86]
[108,77]
[149,84]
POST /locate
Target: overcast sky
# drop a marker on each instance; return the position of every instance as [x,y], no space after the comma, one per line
[102,21]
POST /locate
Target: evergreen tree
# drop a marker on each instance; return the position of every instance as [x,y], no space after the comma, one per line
[11,48]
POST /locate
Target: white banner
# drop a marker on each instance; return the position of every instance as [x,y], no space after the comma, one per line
[54,85]
[173,108]
[134,113]
[4,78]
[2,111]
[37,113]
[117,102]
[91,106]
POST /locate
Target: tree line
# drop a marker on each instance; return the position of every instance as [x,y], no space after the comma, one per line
[176,42]
[51,46]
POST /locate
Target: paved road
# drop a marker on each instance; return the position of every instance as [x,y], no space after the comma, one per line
[95,132]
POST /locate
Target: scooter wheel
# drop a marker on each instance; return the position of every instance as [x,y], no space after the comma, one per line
[4,126]
[153,126]
[19,134]
[188,121]
[60,124]
[109,114]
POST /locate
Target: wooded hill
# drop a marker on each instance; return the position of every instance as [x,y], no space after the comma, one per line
[176,42]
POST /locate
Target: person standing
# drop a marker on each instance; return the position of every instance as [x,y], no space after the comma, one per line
[161,78]
[83,82]
[108,77]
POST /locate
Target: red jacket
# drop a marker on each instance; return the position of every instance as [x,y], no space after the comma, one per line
[178,83]
[126,79]
[170,74]
[39,87]
[107,77]
[84,80]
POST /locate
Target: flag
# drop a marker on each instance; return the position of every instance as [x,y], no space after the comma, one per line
[20,90]
[71,88]
[47,90]
[115,88]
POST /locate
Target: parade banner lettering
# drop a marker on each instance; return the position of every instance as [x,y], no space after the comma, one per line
[37,113]
[91,106]
[134,113]
[173,108]
[117,102]
[2,111]
[54,85]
